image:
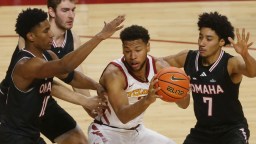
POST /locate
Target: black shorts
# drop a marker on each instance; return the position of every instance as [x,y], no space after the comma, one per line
[19,139]
[238,134]
[56,121]
[3,96]
[9,137]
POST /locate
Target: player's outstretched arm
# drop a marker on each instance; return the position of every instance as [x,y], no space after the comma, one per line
[38,68]
[93,103]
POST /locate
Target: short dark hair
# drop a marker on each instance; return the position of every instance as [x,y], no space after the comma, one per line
[54,3]
[135,32]
[28,19]
[219,23]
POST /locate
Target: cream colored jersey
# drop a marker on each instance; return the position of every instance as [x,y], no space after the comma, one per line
[135,89]
[110,130]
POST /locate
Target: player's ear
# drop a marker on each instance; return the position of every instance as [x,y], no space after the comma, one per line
[222,43]
[30,36]
[51,12]
[148,47]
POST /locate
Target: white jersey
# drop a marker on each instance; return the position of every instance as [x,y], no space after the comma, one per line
[135,89]
[113,131]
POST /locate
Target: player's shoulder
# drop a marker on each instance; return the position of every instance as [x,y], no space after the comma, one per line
[234,61]
[76,39]
[112,70]
[160,63]
[113,74]
[74,34]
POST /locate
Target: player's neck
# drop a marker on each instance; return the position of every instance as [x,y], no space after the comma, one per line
[141,74]
[34,50]
[59,36]
[59,33]
[207,61]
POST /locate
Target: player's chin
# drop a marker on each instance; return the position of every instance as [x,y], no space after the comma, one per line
[48,47]
[69,26]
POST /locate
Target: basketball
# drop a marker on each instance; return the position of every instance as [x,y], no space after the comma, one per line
[174,84]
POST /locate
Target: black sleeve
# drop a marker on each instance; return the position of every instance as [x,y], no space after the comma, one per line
[69,78]
[188,61]
[7,78]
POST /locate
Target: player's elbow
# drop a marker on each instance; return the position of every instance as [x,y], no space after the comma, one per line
[123,120]
[184,103]
[67,67]
[123,117]
[184,106]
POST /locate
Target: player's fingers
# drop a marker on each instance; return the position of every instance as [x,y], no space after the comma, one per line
[231,40]
[250,44]
[243,34]
[238,34]
[159,96]
[247,37]
[154,81]
[94,111]
[189,77]
[120,27]
[157,89]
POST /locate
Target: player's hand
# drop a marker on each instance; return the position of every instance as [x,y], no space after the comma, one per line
[92,114]
[151,97]
[110,28]
[241,46]
[96,105]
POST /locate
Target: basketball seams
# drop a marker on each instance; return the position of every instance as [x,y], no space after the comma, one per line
[168,95]
[172,84]
[172,73]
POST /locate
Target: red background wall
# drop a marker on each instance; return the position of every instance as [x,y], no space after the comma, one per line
[43,2]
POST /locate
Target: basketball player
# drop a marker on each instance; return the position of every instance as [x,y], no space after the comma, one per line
[129,84]
[57,125]
[61,17]
[215,80]
[32,74]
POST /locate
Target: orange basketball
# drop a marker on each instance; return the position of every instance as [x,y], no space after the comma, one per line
[174,84]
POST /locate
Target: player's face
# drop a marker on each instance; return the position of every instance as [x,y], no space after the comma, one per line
[135,54]
[42,36]
[209,43]
[65,14]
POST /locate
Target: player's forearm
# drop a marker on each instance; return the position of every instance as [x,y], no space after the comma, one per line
[66,94]
[130,112]
[83,82]
[75,58]
[184,102]
[250,64]
[84,92]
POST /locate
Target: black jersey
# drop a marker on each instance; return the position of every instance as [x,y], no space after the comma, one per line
[215,95]
[67,45]
[7,79]
[24,109]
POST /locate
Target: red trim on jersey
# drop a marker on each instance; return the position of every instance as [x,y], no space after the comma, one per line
[94,127]
[108,109]
[106,119]
[121,69]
